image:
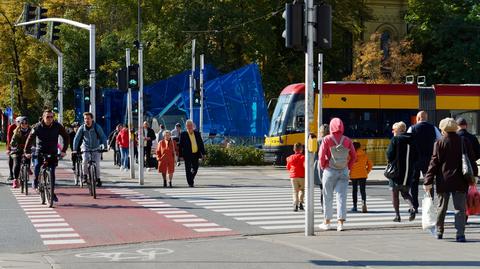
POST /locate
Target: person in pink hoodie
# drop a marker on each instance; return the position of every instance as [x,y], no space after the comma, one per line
[336,158]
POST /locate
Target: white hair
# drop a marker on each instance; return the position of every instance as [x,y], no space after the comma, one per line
[166,132]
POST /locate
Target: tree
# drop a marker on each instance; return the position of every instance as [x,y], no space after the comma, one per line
[446,33]
[372,66]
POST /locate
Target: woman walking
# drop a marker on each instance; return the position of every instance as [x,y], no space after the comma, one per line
[402,152]
[446,170]
[336,156]
[166,152]
[358,175]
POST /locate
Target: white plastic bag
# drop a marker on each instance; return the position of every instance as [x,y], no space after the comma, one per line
[429,213]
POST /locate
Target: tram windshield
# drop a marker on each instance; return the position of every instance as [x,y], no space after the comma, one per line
[289,115]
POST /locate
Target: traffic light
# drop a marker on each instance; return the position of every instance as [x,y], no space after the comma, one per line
[41,28]
[55,106]
[323,14]
[53,31]
[122,79]
[294,33]
[86,95]
[29,14]
[196,97]
[133,77]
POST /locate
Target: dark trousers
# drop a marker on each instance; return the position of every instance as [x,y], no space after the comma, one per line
[414,187]
[17,163]
[116,157]
[10,165]
[403,190]
[459,201]
[362,182]
[147,152]
[191,168]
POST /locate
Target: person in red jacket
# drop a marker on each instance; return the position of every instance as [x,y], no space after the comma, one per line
[123,143]
[296,167]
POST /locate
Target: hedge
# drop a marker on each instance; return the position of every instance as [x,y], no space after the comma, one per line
[237,155]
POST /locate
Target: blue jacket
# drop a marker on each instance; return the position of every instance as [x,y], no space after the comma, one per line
[89,138]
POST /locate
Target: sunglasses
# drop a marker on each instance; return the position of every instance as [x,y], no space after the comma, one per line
[49,117]
[24,122]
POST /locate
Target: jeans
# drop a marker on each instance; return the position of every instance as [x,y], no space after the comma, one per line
[38,165]
[459,202]
[96,157]
[124,161]
[335,181]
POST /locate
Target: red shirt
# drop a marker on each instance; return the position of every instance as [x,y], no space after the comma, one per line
[122,138]
[296,165]
[11,129]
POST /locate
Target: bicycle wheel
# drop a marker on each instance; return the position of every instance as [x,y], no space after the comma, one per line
[93,181]
[25,178]
[22,178]
[47,188]
[41,188]
[77,173]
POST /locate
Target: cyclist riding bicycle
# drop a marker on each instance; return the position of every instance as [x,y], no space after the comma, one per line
[90,137]
[20,135]
[45,134]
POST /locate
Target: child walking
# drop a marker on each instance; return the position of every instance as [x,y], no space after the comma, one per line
[358,175]
[296,167]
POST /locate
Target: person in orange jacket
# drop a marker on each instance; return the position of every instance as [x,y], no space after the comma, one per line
[358,175]
[296,167]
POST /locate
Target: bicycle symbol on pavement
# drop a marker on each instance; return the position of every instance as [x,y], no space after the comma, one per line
[146,254]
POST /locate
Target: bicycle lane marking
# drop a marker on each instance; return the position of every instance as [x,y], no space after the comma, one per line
[146,254]
[52,228]
[114,219]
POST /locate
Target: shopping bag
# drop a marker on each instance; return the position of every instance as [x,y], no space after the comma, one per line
[429,213]
[473,201]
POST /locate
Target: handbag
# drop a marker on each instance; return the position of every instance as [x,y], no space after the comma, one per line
[467,170]
[391,171]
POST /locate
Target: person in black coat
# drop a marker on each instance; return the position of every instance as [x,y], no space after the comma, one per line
[112,144]
[191,149]
[462,131]
[149,136]
[402,151]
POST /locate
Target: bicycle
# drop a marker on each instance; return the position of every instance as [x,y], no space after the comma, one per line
[24,174]
[92,172]
[78,171]
[46,185]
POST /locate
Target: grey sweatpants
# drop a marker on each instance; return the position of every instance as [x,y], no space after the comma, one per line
[334,180]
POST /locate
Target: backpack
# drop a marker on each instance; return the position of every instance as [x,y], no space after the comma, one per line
[339,155]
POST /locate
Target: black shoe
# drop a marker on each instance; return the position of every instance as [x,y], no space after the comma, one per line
[169,184]
[99,183]
[164,183]
[295,208]
[85,180]
[354,209]
[397,219]
[412,216]
[439,236]
[461,239]
[301,206]
[55,198]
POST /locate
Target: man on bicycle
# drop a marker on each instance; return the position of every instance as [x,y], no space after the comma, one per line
[45,134]
[90,136]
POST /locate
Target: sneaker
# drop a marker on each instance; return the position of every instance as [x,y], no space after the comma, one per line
[85,179]
[55,198]
[461,239]
[301,206]
[295,208]
[397,219]
[325,226]
[16,184]
[99,182]
[354,209]
[439,236]
[364,208]
[340,227]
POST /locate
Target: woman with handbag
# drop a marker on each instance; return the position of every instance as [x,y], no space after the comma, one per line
[450,154]
[401,155]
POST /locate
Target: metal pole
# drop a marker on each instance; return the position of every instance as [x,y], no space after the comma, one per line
[60,89]
[92,71]
[202,69]
[192,80]
[131,137]
[309,221]
[320,94]
[140,118]
[12,96]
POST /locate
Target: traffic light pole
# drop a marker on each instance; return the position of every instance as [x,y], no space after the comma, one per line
[320,93]
[309,100]
[60,81]
[141,148]
[131,136]
[202,69]
[91,29]
[192,80]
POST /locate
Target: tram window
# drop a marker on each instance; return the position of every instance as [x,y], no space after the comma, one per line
[278,117]
[296,117]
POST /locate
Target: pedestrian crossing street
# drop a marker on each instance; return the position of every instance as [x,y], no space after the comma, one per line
[270,208]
